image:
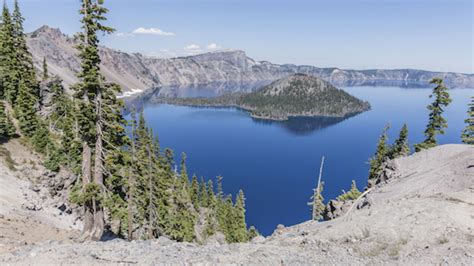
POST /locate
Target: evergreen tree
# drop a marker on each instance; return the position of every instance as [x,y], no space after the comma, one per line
[184,172]
[317,203]
[253,232]
[24,57]
[194,192]
[116,157]
[203,196]
[45,70]
[132,184]
[211,198]
[53,157]
[317,198]
[436,123]
[25,109]
[7,129]
[9,75]
[381,155]
[240,230]
[40,138]
[183,219]
[468,133]
[25,95]
[210,225]
[352,194]
[90,93]
[400,148]
[226,218]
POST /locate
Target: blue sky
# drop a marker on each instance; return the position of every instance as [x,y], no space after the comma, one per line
[351,34]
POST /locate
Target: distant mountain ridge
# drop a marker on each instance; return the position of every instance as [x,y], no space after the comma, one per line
[137,73]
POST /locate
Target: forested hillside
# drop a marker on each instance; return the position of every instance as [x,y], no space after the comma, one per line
[126,182]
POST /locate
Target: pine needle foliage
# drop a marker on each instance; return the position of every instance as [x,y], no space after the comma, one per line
[436,122]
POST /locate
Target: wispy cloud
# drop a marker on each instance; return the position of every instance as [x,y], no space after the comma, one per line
[213,46]
[188,50]
[152,31]
[124,34]
[192,47]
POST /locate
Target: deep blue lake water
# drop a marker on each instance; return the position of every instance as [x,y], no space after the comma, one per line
[277,163]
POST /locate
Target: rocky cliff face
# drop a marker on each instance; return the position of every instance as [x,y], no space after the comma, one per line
[137,73]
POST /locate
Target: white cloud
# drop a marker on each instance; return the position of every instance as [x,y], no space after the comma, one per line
[213,46]
[124,34]
[153,31]
[192,47]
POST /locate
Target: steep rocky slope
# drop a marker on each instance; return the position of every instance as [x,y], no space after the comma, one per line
[136,73]
[422,214]
[33,206]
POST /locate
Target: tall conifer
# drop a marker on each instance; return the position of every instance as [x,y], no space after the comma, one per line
[436,123]
[400,148]
[9,75]
[90,92]
[380,156]
[240,230]
[468,133]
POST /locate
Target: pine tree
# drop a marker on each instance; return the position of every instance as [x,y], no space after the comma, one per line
[226,218]
[352,194]
[253,232]
[211,198]
[90,114]
[468,133]
[116,157]
[240,230]
[24,57]
[203,196]
[318,203]
[132,184]
[184,171]
[25,109]
[183,220]
[400,148]
[194,192]
[436,123]
[9,75]
[7,129]
[210,225]
[317,200]
[381,155]
[45,70]
[26,94]
[53,157]
[40,138]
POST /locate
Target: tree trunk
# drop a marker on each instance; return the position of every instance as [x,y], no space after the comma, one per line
[131,184]
[98,171]
[150,196]
[86,179]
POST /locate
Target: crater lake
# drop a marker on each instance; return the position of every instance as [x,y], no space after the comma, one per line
[277,163]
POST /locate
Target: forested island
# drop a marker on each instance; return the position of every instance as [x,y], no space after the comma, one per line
[293,96]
